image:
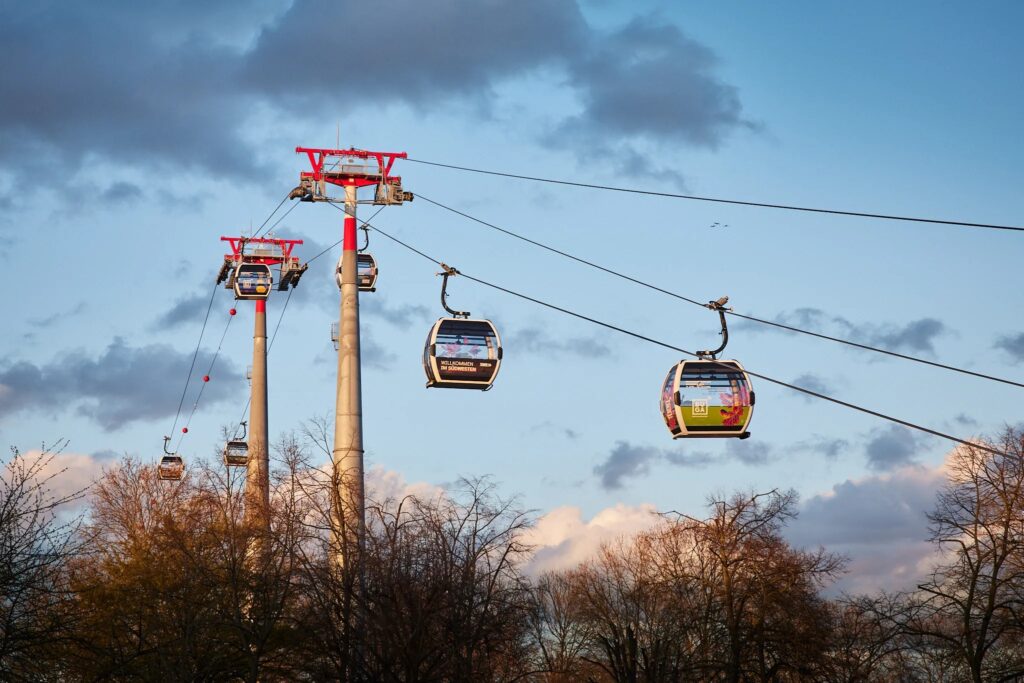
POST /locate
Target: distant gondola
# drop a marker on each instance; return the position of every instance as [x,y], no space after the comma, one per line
[462,354]
[707,398]
[366,272]
[171,468]
[253,281]
[236,453]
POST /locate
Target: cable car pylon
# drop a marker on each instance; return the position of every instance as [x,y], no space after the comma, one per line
[349,169]
[247,270]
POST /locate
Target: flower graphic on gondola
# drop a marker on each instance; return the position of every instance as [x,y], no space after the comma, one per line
[462,348]
[733,405]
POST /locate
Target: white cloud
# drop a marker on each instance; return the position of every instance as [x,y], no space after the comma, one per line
[66,474]
[384,484]
[562,539]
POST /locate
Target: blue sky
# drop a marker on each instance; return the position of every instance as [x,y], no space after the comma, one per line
[132,138]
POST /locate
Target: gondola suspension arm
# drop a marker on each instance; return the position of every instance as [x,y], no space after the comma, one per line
[718,305]
[448,271]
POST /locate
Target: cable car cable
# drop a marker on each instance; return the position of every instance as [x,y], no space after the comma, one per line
[260,229]
[270,346]
[364,223]
[195,355]
[280,318]
[766,378]
[283,216]
[719,200]
[209,372]
[206,318]
[634,280]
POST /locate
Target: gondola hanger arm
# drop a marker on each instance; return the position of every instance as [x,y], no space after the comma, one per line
[448,271]
[719,306]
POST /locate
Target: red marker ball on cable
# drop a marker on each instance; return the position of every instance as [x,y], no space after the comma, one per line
[232,311]
[184,430]
[206,378]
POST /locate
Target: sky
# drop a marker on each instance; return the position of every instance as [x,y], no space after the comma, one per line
[134,136]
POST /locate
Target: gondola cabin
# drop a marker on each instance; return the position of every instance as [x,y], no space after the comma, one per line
[366,272]
[236,453]
[253,281]
[171,468]
[707,398]
[462,353]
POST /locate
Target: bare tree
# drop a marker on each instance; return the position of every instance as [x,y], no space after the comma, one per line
[641,619]
[971,605]
[761,593]
[178,586]
[35,545]
[865,643]
[442,597]
[559,633]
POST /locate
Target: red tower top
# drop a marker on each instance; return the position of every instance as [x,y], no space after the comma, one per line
[339,166]
[350,168]
[268,251]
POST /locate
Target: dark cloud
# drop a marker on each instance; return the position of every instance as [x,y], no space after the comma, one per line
[891,447]
[374,355]
[916,335]
[190,309]
[174,84]
[879,522]
[1013,345]
[432,52]
[813,383]
[122,385]
[649,80]
[748,451]
[107,80]
[402,316]
[537,341]
[624,462]
[689,458]
[50,320]
[627,461]
[105,455]
[643,85]
[822,445]
[122,193]
[318,285]
[965,420]
[551,428]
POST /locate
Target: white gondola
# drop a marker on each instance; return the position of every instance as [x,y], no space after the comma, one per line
[462,353]
[171,468]
[707,398]
[236,453]
[253,281]
[366,272]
